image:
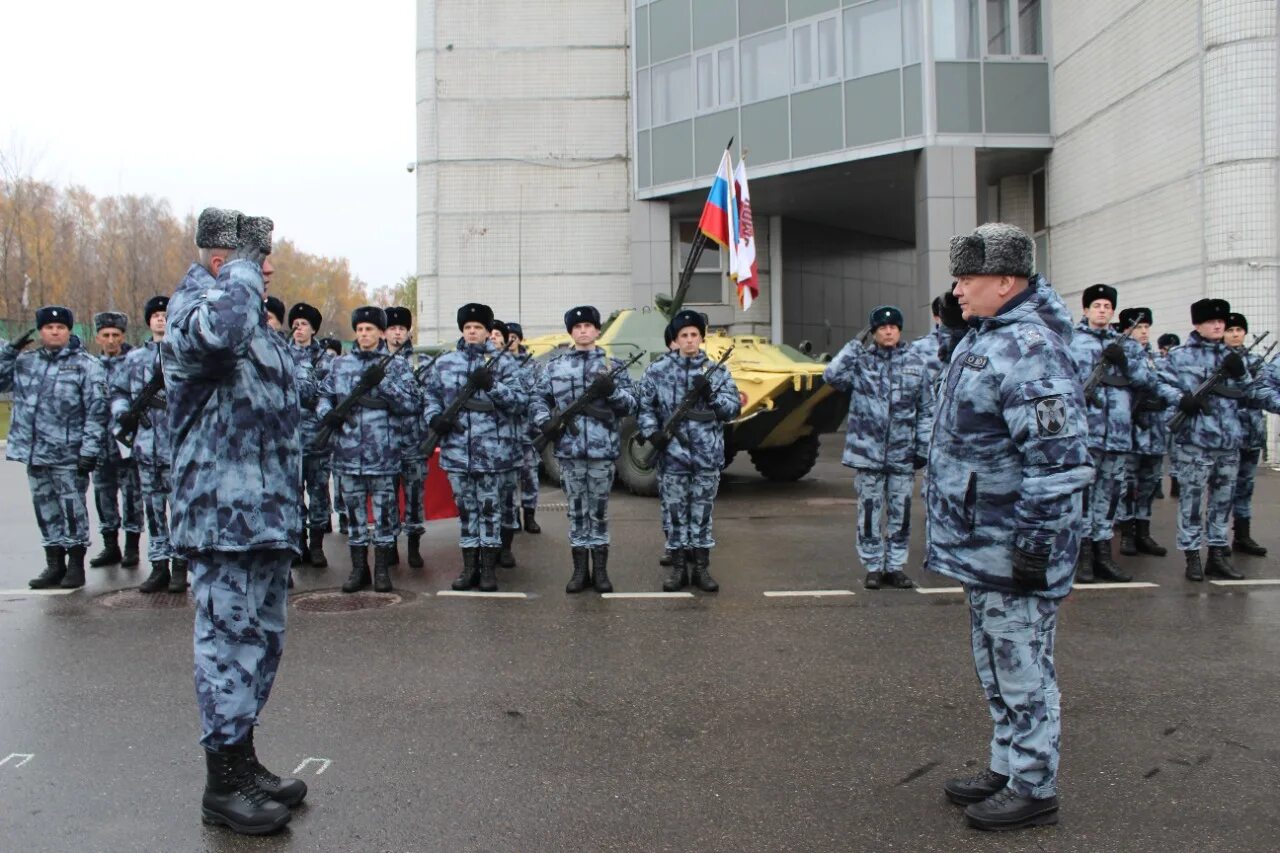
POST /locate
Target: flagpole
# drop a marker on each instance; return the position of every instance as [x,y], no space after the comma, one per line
[691,263]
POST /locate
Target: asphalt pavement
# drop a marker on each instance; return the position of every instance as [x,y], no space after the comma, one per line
[741,721]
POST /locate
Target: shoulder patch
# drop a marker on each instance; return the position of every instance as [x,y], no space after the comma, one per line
[1030,336]
[1051,415]
[977,362]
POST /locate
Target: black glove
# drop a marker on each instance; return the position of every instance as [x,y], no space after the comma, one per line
[482,378]
[702,385]
[332,420]
[603,386]
[1191,407]
[129,423]
[659,441]
[1029,570]
[23,342]
[551,431]
[1114,353]
[919,462]
[440,425]
[1233,365]
[86,464]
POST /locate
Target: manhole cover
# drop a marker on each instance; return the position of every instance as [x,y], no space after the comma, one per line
[342,602]
[131,599]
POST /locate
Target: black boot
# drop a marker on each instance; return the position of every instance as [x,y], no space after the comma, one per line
[233,798]
[110,554]
[315,549]
[702,571]
[506,559]
[1084,562]
[285,791]
[1007,809]
[300,557]
[131,556]
[488,566]
[395,552]
[74,578]
[1174,491]
[665,559]
[342,524]
[600,569]
[1147,545]
[678,573]
[158,579]
[530,521]
[1194,572]
[1128,538]
[359,577]
[469,577]
[1218,565]
[1159,493]
[382,569]
[974,789]
[415,551]
[1243,542]
[55,567]
[1104,568]
[178,575]
[578,580]
[898,580]
[872,580]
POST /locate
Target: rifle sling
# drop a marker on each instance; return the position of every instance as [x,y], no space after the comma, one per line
[474,405]
[1115,381]
[701,416]
[1229,393]
[600,412]
[367,402]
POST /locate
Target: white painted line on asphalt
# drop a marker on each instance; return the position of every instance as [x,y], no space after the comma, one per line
[25,592]
[1125,585]
[938,590]
[646,595]
[472,593]
[805,593]
[25,756]
[323,762]
[1249,582]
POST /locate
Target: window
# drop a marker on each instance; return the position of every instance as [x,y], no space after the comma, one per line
[643,119]
[815,53]
[998,28]
[672,92]
[910,32]
[871,38]
[955,29]
[764,66]
[706,285]
[727,68]
[1039,204]
[1030,41]
[716,71]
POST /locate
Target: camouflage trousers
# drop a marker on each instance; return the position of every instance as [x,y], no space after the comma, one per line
[1206,478]
[112,479]
[1102,497]
[529,478]
[155,500]
[510,511]
[688,500]
[315,486]
[587,483]
[878,490]
[1246,476]
[480,508]
[1013,639]
[413,477]
[240,599]
[357,490]
[1142,472]
[59,495]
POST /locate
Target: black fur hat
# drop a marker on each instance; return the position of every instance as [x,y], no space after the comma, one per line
[333,345]
[111,320]
[1094,292]
[218,229]
[668,335]
[499,326]
[1237,321]
[154,304]
[1204,310]
[1134,316]
[275,305]
[1168,339]
[885,315]
[581,314]
[369,314]
[952,315]
[399,316]
[54,314]
[996,248]
[685,318]
[308,313]
[474,312]
[256,231]
[515,329]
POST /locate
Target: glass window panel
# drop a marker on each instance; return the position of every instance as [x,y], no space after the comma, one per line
[643,119]
[706,82]
[672,92]
[764,66]
[709,260]
[802,55]
[998,27]
[955,29]
[828,49]
[871,42]
[1030,41]
[1039,211]
[910,31]
[728,76]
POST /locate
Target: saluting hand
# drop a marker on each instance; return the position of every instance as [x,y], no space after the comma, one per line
[23,342]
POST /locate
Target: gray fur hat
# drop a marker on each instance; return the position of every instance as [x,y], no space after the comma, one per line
[995,248]
[217,229]
[256,231]
[111,320]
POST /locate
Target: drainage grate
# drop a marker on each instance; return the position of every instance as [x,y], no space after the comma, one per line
[131,599]
[341,602]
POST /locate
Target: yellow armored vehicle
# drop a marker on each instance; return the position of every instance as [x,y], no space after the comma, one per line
[785,404]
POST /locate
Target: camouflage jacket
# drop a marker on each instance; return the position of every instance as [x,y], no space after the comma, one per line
[234,416]
[1009,453]
[1252,420]
[1186,367]
[1110,411]
[111,364]
[562,381]
[699,444]
[531,374]
[372,440]
[151,445]
[313,363]
[486,436]
[410,426]
[890,405]
[59,404]
[929,347]
[1150,415]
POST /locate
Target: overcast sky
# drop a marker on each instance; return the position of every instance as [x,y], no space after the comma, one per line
[302,110]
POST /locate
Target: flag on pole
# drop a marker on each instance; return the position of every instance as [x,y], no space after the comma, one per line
[746,273]
[720,214]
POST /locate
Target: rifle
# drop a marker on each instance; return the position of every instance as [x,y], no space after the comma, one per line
[450,414]
[420,372]
[681,414]
[137,414]
[564,419]
[1099,371]
[1204,388]
[369,380]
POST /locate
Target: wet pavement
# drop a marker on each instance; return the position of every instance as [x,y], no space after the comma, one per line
[739,721]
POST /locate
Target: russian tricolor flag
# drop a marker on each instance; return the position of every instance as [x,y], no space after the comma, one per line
[720,214]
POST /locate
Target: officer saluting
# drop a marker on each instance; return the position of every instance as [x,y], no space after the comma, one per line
[1008,458]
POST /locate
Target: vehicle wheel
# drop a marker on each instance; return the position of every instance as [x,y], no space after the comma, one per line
[730,453]
[788,463]
[550,466]
[634,474]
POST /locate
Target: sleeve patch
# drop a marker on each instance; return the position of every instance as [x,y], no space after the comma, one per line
[1051,415]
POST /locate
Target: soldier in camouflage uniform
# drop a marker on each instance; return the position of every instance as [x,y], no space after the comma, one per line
[233,416]
[669,338]
[689,466]
[151,448]
[501,340]
[366,448]
[531,370]
[56,428]
[890,416]
[1254,424]
[1150,443]
[1007,463]
[274,306]
[1110,413]
[480,448]
[304,323]
[588,452]
[115,475]
[1206,449]
[413,464]
[929,347]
